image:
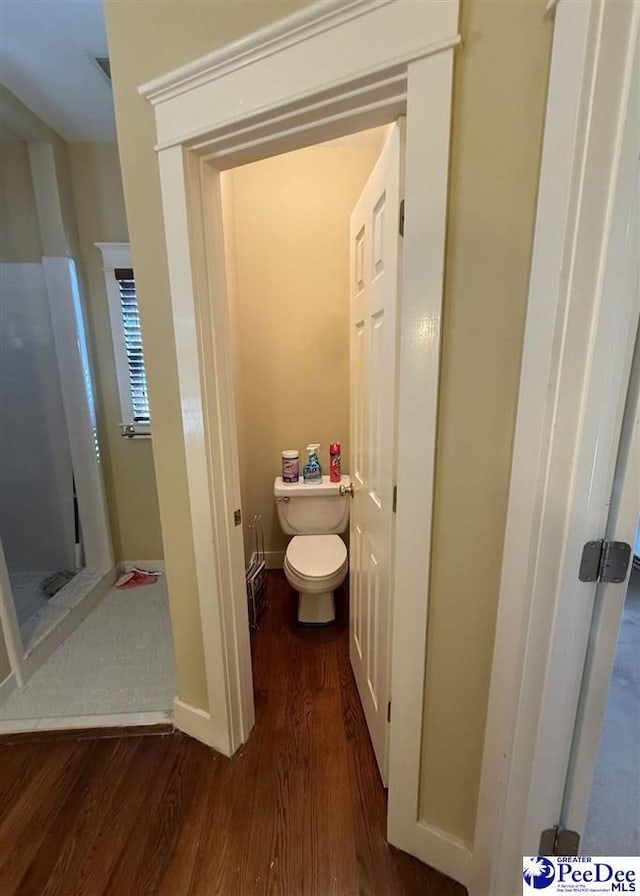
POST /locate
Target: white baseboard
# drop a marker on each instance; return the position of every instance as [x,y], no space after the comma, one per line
[7,687]
[193,721]
[274,559]
[438,849]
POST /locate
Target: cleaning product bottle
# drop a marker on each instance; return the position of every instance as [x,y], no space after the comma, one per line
[312,471]
[290,465]
[335,466]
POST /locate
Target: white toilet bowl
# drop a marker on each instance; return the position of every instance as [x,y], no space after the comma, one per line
[315,565]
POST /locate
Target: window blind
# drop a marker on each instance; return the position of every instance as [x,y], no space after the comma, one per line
[133,343]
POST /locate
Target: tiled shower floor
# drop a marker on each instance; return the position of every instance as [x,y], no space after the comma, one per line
[119,661]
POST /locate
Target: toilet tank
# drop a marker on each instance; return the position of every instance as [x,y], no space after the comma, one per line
[312,508]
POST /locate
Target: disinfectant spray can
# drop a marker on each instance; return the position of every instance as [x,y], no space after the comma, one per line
[335,473]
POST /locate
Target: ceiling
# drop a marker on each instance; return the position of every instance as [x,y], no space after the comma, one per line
[47,59]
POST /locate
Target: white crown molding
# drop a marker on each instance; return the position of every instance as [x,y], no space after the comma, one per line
[300,26]
[272,83]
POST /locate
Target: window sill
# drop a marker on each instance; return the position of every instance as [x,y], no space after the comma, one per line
[135,430]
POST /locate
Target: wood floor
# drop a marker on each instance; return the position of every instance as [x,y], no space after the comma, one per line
[299,810]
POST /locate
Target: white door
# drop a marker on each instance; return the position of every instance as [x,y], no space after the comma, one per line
[622,523]
[603,637]
[374,254]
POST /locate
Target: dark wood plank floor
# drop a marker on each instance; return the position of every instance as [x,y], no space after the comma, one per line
[299,810]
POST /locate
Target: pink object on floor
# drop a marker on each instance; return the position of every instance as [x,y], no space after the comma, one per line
[137,577]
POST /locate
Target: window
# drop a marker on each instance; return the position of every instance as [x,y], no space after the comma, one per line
[120,282]
[133,344]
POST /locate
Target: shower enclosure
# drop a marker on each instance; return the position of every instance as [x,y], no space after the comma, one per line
[53,521]
[37,526]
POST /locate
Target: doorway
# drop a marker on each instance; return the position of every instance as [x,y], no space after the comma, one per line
[291,270]
[240,108]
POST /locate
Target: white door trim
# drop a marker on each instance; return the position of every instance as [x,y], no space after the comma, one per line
[387,58]
[558,415]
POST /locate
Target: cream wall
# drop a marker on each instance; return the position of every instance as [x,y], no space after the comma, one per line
[19,230]
[186,29]
[499,100]
[128,467]
[290,320]
[17,118]
[499,95]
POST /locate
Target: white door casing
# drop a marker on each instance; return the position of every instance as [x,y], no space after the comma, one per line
[373,291]
[269,93]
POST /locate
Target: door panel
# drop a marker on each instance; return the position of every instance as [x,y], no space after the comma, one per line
[374,240]
[609,598]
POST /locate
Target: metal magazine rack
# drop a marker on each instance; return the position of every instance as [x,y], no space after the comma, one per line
[256,576]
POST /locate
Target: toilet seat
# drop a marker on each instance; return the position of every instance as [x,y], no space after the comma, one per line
[313,585]
[315,565]
[317,557]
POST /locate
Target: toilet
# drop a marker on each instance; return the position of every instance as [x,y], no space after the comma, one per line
[315,562]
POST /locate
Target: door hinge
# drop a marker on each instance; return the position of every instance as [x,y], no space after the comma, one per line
[394,502]
[604,561]
[401,222]
[389,711]
[559,842]
[237,517]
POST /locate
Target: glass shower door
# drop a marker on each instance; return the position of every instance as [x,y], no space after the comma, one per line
[37,525]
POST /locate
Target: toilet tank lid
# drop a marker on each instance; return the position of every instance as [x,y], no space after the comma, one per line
[308,489]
